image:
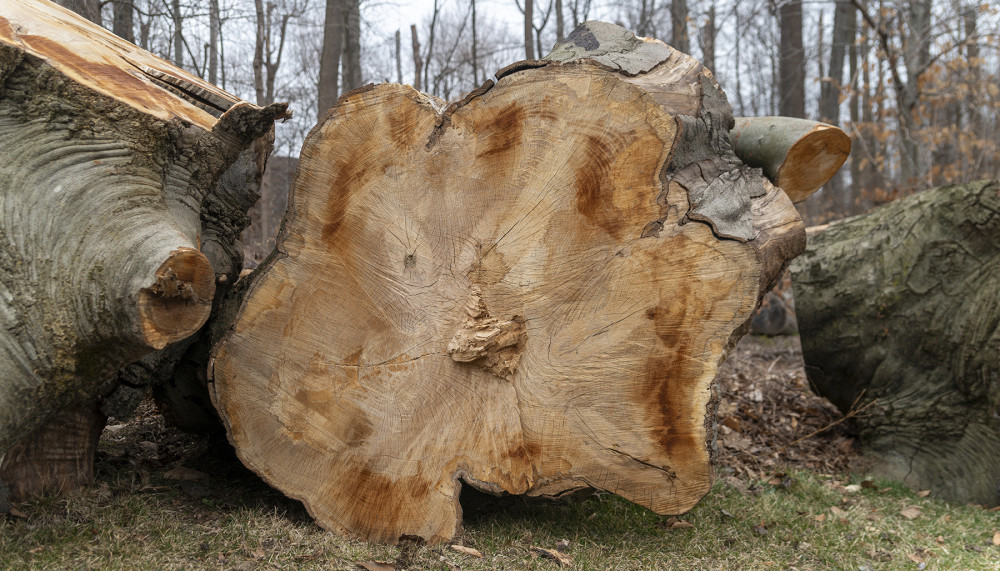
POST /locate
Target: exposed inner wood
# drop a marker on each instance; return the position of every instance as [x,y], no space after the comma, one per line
[180,300]
[798,155]
[100,60]
[505,293]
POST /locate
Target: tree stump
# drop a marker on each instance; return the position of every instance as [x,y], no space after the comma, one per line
[528,291]
[899,314]
[108,196]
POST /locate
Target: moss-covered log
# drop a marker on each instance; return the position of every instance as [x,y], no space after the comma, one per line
[902,305]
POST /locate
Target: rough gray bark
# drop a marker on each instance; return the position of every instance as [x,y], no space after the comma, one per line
[329,59]
[791,61]
[902,306]
[124,22]
[107,181]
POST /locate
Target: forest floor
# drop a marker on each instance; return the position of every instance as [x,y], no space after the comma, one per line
[784,498]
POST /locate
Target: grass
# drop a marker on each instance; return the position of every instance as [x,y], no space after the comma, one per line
[785,524]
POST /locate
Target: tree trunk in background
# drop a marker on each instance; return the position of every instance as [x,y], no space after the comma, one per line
[430,46]
[352,45]
[89,9]
[418,64]
[839,198]
[708,39]
[916,57]
[902,305]
[214,32]
[178,20]
[560,22]
[124,170]
[399,58]
[529,27]
[475,41]
[678,25]
[124,22]
[537,302]
[329,60]
[791,62]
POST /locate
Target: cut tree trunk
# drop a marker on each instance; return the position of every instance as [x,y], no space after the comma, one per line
[798,155]
[902,306]
[108,198]
[529,291]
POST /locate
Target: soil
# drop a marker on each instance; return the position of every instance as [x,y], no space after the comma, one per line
[769,423]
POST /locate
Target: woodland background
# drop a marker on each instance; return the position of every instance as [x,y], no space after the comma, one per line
[915,83]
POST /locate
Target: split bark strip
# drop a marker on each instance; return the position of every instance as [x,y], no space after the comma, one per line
[108,172]
[797,155]
[902,304]
[529,292]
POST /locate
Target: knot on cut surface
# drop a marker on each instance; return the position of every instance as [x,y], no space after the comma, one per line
[169,286]
[496,345]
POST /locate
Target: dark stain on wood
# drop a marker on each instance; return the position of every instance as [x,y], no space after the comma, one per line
[403,125]
[379,507]
[584,38]
[505,132]
[595,188]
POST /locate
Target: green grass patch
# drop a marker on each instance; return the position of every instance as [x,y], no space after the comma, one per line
[801,521]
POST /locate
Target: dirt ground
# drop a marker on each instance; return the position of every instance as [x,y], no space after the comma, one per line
[767,418]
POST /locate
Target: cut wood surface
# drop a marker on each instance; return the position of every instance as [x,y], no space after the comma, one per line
[529,291]
[798,155]
[899,315]
[109,201]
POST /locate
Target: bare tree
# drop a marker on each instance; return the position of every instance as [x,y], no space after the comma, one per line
[792,61]
[89,9]
[214,39]
[529,26]
[707,39]
[329,61]
[352,45]
[418,64]
[272,26]
[678,20]
[124,24]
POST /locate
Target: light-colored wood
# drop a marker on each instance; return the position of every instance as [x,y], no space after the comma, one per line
[798,155]
[111,215]
[513,293]
[94,57]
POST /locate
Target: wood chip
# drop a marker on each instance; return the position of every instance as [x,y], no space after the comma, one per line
[910,512]
[923,493]
[14,512]
[373,565]
[996,534]
[821,518]
[681,525]
[561,559]
[467,550]
[838,512]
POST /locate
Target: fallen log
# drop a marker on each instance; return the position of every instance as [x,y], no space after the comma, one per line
[108,198]
[528,291]
[899,315]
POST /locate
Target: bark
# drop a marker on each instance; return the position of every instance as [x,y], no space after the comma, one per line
[708,39]
[329,61]
[900,307]
[529,26]
[418,63]
[109,166]
[214,33]
[528,292]
[178,37]
[475,58]
[797,155]
[89,9]
[352,45]
[678,21]
[399,55]
[560,22]
[124,21]
[791,62]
